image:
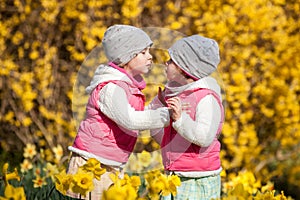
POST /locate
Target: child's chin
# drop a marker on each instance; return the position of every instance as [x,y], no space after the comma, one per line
[146,71]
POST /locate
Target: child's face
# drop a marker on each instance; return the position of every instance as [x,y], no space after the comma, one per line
[140,64]
[174,73]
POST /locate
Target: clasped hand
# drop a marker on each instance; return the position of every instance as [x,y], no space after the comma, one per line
[174,104]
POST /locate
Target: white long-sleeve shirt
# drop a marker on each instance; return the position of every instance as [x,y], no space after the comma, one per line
[114,104]
[208,115]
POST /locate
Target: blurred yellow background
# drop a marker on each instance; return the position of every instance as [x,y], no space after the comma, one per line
[44,48]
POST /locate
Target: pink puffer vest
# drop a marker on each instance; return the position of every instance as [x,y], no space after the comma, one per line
[181,155]
[101,136]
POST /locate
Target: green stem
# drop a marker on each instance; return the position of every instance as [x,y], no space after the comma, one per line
[51,192]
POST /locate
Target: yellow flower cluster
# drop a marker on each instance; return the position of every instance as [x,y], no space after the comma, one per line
[126,187]
[239,192]
[11,192]
[247,179]
[131,9]
[157,184]
[43,46]
[151,184]
[82,181]
[160,184]
[122,188]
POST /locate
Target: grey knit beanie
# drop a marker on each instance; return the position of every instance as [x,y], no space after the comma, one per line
[197,56]
[122,42]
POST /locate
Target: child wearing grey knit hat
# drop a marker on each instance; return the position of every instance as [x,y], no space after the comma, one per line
[122,42]
[115,109]
[190,146]
[196,55]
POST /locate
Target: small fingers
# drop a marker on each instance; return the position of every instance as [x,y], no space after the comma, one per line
[174,101]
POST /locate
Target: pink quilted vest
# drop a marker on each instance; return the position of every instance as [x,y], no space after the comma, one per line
[181,155]
[101,136]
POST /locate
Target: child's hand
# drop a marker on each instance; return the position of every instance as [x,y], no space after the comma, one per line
[161,96]
[174,104]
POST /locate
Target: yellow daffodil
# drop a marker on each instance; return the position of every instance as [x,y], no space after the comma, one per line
[39,182]
[82,182]
[11,192]
[144,158]
[155,188]
[156,183]
[160,184]
[9,176]
[173,182]
[14,193]
[63,182]
[135,182]
[118,192]
[29,151]
[51,170]
[115,177]
[123,181]
[113,193]
[26,165]
[133,164]
[123,188]
[162,180]
[91,164]
[94,166]
[58,152]
[37,172]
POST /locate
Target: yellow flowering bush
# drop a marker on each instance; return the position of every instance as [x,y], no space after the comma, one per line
[43,45]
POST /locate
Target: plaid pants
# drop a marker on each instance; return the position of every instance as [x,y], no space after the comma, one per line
[204,188]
